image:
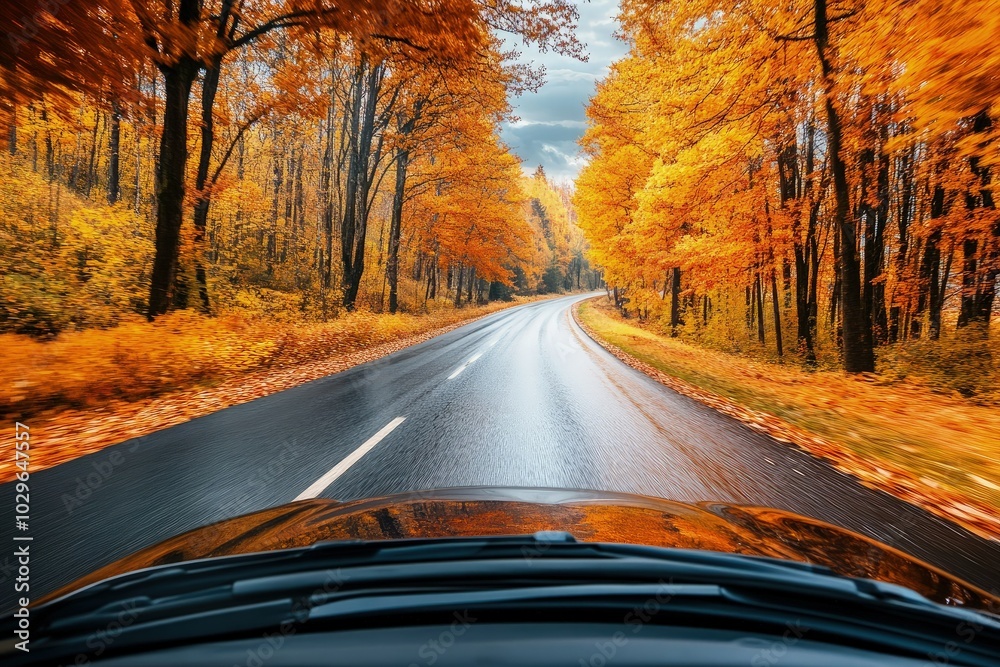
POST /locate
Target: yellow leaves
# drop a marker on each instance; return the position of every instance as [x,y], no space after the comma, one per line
[549,218]
[945,55]
[63,262]
[133,360]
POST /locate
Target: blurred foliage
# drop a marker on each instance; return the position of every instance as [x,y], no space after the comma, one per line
[814,181]
[966,362]
[66,263]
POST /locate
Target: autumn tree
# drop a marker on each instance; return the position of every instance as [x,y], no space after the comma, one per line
[777,150]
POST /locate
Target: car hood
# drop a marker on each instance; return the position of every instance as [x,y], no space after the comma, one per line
[589,516]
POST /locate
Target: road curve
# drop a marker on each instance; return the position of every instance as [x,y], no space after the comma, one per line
[519,398]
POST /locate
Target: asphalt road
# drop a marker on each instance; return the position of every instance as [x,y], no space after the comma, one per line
[520,398]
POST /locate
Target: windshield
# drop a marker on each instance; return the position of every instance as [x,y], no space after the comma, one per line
[672,274]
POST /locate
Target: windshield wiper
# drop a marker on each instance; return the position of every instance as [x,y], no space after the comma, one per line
[199,575]
[362,581]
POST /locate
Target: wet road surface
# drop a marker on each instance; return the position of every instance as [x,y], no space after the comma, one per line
[520,398]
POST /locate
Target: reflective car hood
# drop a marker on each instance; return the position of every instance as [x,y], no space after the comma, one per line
[587,515]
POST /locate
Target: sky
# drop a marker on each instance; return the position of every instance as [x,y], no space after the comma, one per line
[551,120]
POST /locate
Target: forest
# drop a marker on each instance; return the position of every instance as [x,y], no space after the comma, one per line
[807,181]
[292,160]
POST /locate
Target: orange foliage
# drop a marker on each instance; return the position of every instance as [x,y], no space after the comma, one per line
[825,177]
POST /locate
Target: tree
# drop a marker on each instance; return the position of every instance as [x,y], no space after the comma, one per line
[776,149]
[195,37]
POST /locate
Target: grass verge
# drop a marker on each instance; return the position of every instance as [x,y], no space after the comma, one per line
[938,451]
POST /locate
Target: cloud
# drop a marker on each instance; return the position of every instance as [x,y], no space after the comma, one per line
[550,144]
[575,160]
[553,119]
[579,124]
[570,76]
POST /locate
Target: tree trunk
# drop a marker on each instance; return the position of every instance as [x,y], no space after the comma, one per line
[278,179]
[876,219]
[288,234]
[835,294]
[903,215]
[91,177]
[73,180]
[137,184]
[362,166]
[178,79]
[858,358]
[210,87]
[395,227]
[759,293]
[930,266]
[980,267]
[432,278]
[326,195]
[114,146]
[804,321]
[458,286]
[299,211]
[749,307]
[865,216]
[801,247]
[880,321]
[349,223]
[777,314]
[675,300]
[937,302]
